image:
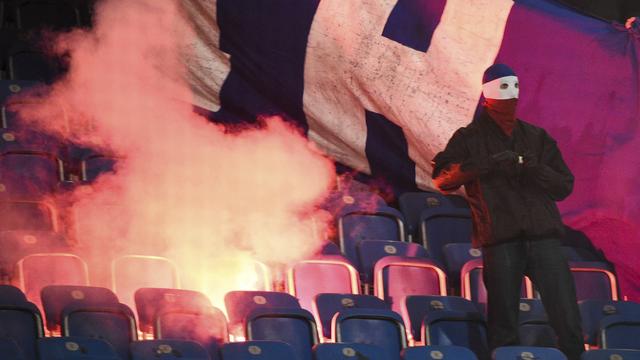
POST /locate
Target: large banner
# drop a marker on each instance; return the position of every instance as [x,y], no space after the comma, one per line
[380,86]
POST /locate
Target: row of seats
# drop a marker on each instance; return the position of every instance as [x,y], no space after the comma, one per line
[173,314]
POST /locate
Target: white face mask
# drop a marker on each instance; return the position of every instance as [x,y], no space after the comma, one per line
[502,88]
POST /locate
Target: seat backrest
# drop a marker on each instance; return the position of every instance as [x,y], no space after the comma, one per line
[604,354]
[534,328]
[115,324]
[37,271]
[10,349]
[326,274]
[527,352]
[593,311]
[261,349]
[467,329]
[451,352]
[370,251]
[416,307]
[594,280]
[20,322]
[55,298]
[455,255]
[32,15]
[354,225]
[240,303]
[27,215]
[325,306]
[167,349]
[412,204]
[441,226]
[55,348]
[381,328]
[150,272]
[30,174]
[620,332]
[397,277]
[151,301]
[347,351]
[207,326]
[295,327]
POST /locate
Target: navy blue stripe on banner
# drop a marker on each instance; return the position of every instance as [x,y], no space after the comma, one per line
[413,22]
[388,152]
[267,41]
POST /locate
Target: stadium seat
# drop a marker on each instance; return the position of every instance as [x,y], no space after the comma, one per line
[150,271]
[56,297]
[381,328]
[578,254]
[30,174]
[325,306]
[115,324]
[534,328]
[620,332]
[397,277]
[10,350]
[594,280]
[356,224]
[602,354]
[152,301]
[249,350]
[207,326]
[240,303]
[26,62]
[593,311]
[70,348]
[26,215]
[93,166]
[527,353]
[167,349]
[327,274]
[295,327]
[416,307]
[436,352]
[455,256]
[472,285]
[20,243]
[460,328]
[347,351]
[440,226]
[20,321]
[37,271]
[413,203]
[370,251]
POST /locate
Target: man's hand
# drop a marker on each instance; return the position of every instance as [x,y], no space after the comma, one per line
[507,162]
[531,164]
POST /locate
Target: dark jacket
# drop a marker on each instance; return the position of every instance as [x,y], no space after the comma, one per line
[506,205]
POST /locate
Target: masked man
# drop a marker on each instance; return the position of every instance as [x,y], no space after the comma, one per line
[513,174]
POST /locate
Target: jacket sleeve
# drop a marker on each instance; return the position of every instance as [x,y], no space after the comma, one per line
[553,174]
[454,166]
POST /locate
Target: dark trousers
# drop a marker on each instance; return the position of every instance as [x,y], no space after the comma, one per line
[544,263]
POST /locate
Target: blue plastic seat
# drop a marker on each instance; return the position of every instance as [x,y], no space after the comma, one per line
[327,305]
[30,174]
[24,215]
[326,274]
[534,328]
[240,303]
[370,251]
[56,297]
[455,256]
[10,349]
[293,326]
[440,226]
[207,326]
[31,15]
[151,301]
[467,329]
[416,307]
[594,280]
[397,277]
[356,224]
[114,323]
[603,354]
[20,321]
[412,204]
[347,351]
[527,353]
[620,332]
[381,328]
[168,349]
[249,350]
[70,348]
[438,352]
[593,311]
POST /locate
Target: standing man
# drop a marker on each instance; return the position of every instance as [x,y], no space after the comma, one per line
[513,174]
